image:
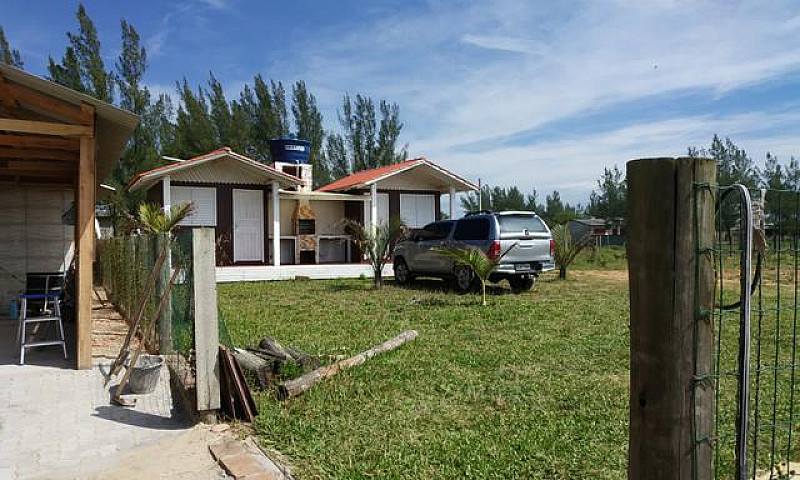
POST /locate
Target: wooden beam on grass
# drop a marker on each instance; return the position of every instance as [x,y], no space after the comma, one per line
[295,387]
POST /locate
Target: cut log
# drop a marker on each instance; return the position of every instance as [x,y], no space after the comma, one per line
[295,387]
[270,347]
[305,360]
[262,369]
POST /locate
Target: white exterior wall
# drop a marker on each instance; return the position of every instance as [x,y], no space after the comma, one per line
[33,237]
[329,217]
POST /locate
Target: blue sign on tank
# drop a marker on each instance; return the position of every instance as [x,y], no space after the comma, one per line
[289,150]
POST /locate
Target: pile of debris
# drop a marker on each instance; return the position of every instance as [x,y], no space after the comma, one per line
[270,363]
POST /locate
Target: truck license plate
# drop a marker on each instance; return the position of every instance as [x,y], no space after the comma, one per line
[522,267]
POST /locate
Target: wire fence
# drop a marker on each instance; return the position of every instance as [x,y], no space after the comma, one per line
[127,265]
[771,437]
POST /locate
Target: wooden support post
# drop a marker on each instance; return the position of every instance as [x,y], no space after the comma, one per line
[85,243]
[206,323]
[671,412]
[276,224]
[452,203]
[373,207]
[165,319]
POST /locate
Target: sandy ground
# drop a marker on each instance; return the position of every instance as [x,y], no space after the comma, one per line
[182,457]
[611,275]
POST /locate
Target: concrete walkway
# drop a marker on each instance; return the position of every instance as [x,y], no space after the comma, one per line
[52,419]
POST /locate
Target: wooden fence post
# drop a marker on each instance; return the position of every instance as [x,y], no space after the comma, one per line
[671,291]
[165,319]
[206,323]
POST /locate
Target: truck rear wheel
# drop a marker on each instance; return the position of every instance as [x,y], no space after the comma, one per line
[521,284]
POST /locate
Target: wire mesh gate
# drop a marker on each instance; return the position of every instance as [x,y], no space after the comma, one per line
[756,251]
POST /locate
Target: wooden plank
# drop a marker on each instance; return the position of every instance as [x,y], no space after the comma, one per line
[45,128]
[35,167]
[46,104]
[662,256]
[84,235]
[206,323]
[39,141]
[38,153]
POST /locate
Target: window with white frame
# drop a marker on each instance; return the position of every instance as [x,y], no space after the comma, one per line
[205,205]
[417,210]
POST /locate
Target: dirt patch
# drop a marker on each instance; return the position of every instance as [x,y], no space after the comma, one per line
[610,275]
[184,457]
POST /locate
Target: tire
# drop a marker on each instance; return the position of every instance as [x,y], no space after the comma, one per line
[520,284]
[402,274]
[464,279]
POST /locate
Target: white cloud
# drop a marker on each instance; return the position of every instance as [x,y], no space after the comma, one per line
[508,44]
[479,72]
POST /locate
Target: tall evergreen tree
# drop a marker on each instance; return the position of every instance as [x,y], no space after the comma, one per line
[265,106]
[8,55]
[610,200]
[336,156]
[370,144]
[68,72]
[82,67]
[143,150]
[308,124]
[195,133]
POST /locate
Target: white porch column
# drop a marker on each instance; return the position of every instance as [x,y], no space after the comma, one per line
[373,206]
[276,225]
[166,193]
[452,203]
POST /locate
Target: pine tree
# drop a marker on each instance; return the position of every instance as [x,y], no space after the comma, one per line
[388,135]
[264,106]
[68,73]
[7,55]
[142,151]
[336,156]
[308,124]
[195,133]
[370,144]
[82,67]
[610,200]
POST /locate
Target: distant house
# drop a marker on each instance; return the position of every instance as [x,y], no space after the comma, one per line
[247,202]
[600,231]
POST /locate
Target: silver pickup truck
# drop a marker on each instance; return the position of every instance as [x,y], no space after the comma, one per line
[521,240]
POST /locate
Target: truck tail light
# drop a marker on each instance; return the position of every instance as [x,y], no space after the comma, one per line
[552,248]
[494,250]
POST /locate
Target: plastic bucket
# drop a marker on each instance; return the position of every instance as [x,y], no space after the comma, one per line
[146,374]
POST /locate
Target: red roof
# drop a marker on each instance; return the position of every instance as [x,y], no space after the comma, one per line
[360,178]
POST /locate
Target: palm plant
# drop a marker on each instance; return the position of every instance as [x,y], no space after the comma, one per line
[475,260]
[153,219]
[566,248]
[377,243]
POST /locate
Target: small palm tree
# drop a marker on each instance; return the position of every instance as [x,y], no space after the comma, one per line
[153,219]
[475,259]
[566,248]
[377,243]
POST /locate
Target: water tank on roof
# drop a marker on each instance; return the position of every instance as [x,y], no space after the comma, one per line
[289,150]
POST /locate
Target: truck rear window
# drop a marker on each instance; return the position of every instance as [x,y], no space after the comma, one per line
[520,223]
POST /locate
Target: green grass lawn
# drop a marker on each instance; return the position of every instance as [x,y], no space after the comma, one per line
[533,386]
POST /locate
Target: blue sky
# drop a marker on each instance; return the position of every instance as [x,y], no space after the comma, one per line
[538,94]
